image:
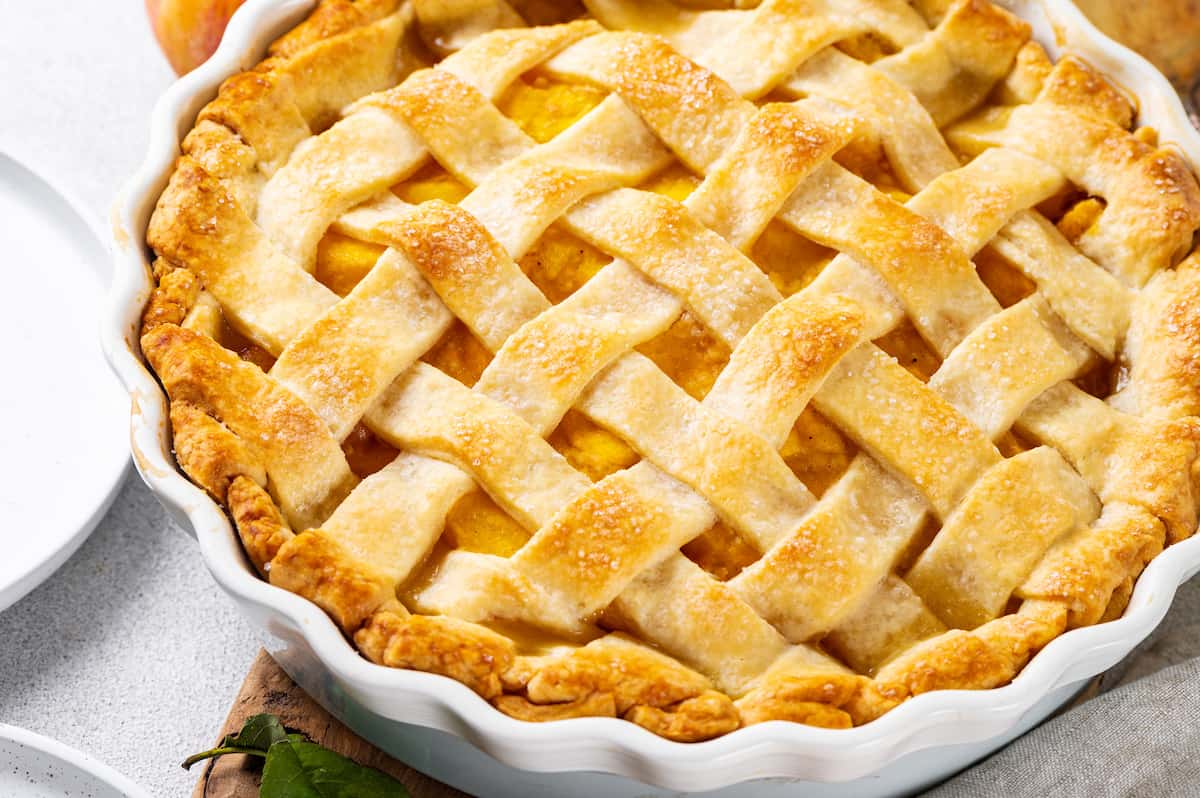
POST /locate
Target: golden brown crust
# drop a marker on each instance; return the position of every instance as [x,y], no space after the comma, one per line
[259,524]
[173,296]
[847,699]
[258,106]
[1019,635]
[1087,569]
[702,717]
[708,715]
[306,467]
[1164,337]
[616,676]
[592,705]
[1118,601]
[342,50]
[1158,471]
[224,411]
[955,660]
[984,39]
[1029,74]
[330,18]
[1157,189]
[463,651]
[810,713]
[1174,364]
[1075,84]
[457,251]
[197,222]
[986,657]
[225,156]
[209,453]
[316,566]
[630,672]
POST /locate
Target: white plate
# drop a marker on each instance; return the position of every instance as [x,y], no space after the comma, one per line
[33,766]
[63,431]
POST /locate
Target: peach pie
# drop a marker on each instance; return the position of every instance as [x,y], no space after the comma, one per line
[694,363]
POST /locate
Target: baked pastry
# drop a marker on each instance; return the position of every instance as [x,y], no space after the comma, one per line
[694,366]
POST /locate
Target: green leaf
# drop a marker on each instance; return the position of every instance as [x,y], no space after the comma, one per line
[298,769]
[258,734]
[259,731]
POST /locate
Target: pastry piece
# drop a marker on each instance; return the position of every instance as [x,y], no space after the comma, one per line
[694,366]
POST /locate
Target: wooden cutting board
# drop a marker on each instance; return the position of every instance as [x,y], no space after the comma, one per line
[268,689]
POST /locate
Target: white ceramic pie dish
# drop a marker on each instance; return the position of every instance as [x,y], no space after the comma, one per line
[405,712]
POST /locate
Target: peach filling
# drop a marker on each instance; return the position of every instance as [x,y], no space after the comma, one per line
[560,263]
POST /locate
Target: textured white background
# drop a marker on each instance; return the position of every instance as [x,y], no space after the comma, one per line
[130,652]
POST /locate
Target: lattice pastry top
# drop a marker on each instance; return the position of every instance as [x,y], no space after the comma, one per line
[697,367]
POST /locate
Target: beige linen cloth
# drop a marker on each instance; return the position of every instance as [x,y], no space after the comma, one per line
[1139,738]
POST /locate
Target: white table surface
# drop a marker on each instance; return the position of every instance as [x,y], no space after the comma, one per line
[130,652]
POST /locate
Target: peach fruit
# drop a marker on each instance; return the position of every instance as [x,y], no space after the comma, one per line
[188,31]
